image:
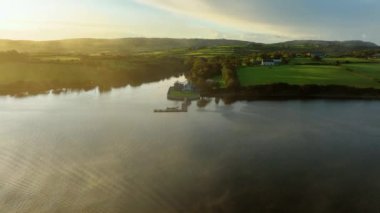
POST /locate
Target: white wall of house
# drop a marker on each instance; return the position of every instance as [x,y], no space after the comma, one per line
[267,63]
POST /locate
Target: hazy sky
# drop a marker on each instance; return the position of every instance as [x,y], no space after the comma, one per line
[253,20]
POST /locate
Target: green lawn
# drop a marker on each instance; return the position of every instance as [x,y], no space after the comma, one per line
[305,74]
[370,70]
[214,51]
[331,61]
[181,95]
[59,58]
[349,60]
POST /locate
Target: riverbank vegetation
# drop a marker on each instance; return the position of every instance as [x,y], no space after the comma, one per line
[296,77]
[205,71]
[37,74]
[214,66]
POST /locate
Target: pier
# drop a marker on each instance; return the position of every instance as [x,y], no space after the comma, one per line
[184,107]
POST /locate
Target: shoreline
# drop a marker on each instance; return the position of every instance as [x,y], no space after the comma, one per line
[294,92]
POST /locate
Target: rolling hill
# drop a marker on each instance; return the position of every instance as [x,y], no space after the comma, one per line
[317,45]
[125,45]
[194,46]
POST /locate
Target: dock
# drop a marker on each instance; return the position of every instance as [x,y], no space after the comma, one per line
[183,108]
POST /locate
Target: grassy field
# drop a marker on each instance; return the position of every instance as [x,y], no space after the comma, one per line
[59,58]
[361,76]
[330,61]
[220,51]
[369,70]
[213,51]
[206,52]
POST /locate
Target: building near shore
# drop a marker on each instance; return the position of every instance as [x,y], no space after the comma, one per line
[267,62]
[271,62]
[183,91]
[186,87]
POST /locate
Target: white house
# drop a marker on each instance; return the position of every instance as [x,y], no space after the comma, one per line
[185,87]
[271,62]
[267,62]
[188,87]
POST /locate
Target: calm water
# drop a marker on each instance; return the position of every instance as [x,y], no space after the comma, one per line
[108,152]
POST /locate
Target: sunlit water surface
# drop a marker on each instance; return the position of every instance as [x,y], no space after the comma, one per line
[92,152]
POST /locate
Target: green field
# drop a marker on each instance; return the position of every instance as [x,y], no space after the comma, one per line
[59,59]
[206,52]
[220,51]
[361,75]
[331,61]
[182,95]
[369,70]
[213,51]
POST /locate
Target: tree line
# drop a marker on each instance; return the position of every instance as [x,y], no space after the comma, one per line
[13,55]
[203,71]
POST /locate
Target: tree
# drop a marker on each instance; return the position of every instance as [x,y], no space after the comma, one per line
[12,55]
[230,76]
[232,83]
[205,68]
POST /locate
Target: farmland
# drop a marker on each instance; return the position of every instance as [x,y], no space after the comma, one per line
[212,64]
[353,75]
[332,61]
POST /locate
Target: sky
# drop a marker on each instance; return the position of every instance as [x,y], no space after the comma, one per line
[264,21]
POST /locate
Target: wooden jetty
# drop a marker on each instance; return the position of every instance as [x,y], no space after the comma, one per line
[184,107]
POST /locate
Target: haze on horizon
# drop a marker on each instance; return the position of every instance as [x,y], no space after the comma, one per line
[251,20]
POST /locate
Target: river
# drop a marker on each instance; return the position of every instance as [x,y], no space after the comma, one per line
[87,151]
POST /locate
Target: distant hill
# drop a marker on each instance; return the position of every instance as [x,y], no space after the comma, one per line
[125,45]
[330,43]
[138,45]
[326,46]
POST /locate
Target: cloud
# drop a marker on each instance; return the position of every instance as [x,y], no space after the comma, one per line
[254,20]
[323,19]
[213,11]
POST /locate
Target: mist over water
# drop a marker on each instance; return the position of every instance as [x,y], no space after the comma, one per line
[108,152]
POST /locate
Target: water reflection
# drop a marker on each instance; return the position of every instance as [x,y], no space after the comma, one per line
[20,79]
[203,102]
[108,152]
